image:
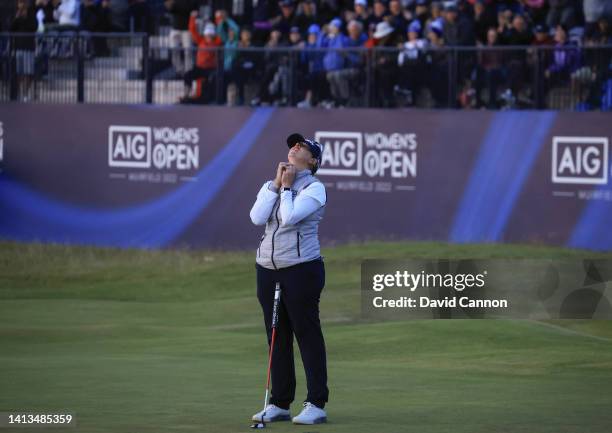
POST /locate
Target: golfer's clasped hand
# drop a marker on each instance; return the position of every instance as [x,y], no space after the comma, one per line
[285,175]
[288,176]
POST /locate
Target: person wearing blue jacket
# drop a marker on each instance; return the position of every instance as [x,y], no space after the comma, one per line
[341,64]
[315,82]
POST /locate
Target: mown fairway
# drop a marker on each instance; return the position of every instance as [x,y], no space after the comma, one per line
[172,341]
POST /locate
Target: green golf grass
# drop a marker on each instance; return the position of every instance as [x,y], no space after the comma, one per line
[173,341]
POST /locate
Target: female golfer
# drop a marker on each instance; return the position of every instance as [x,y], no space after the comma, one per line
[291,206]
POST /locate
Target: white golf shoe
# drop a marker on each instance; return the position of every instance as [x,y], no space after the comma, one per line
[310,415]
[273,413]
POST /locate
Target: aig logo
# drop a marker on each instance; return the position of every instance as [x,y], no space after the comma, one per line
[580,160]
[373,154]
[129,146]
[341,150]
[157,147]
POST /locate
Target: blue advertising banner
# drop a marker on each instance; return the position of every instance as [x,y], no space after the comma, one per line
[151,177]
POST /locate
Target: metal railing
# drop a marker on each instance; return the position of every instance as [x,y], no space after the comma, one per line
[85,67]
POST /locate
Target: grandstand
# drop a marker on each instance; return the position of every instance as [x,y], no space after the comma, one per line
[537,54]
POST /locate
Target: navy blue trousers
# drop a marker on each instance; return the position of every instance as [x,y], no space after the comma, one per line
[298,315]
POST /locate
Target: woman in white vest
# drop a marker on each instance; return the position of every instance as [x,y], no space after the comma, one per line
[291,207]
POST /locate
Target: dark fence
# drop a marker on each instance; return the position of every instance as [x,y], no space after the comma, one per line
[135,68]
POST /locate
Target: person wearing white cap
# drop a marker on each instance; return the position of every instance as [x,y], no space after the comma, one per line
[385,68]
[383,29]
[411,61]
[206,59]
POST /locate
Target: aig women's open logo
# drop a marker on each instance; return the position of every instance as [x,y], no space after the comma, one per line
[145,147]
[580,160]
[374,154]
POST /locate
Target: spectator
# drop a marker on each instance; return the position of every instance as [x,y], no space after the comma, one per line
[437,63]
[229,53]
[385,64]
[24,22]
[457,29]
[295,38]
[396,17]
[414,45]
[67,14]
[421,12]
[361,13]
[467,36]
[341,80]
[299,74]
[540,57]
[593,81]
[541,36]
[286,19]
[224,25]
[435,13]
[246,65]
[561,12]
[518,35]
[504,22]
[333,60]
[180,37]
[411,61]
[565,59]
[206,60]
[356,35]
[380,11]
[46,8]
[263,12]
[484,19]
[451,28]
[306,16]
[273,81]
[565,65]
[371,42]
[601,33]
[489,72]
[595,10]
[316,88]
[435,33]
[230,46]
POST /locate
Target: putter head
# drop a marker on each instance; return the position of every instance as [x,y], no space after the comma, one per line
[258,425]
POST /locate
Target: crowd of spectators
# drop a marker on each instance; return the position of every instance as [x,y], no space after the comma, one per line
[325,45]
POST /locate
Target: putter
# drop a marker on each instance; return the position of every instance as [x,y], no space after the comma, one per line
[277,294]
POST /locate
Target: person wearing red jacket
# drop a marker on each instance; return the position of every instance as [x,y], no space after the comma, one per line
[206,59]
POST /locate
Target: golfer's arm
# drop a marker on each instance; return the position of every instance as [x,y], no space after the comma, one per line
[262,208]
[292,212]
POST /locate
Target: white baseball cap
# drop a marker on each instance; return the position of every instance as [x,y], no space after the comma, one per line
[209,29]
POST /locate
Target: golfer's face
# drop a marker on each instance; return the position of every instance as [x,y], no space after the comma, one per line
[299,154]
